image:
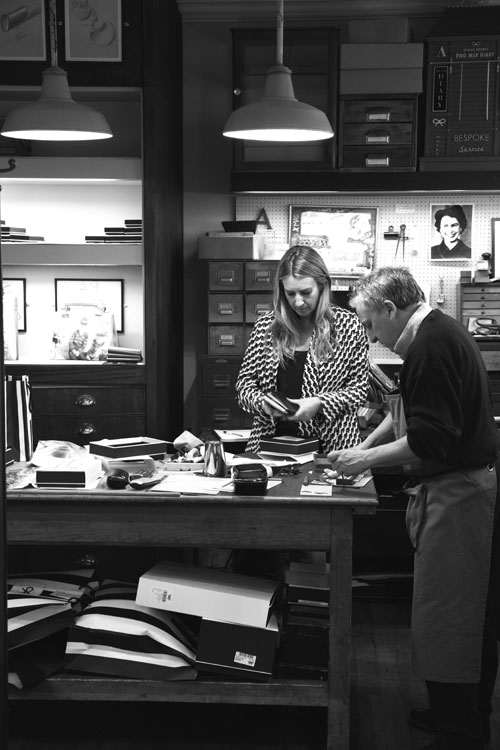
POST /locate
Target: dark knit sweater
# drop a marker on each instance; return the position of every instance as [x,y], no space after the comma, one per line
[446,396]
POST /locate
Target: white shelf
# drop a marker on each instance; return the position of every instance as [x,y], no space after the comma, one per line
[87,169]
[44,254]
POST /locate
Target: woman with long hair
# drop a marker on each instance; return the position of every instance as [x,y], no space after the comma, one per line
[309,350]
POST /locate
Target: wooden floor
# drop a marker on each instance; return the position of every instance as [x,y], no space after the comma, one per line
[383,690]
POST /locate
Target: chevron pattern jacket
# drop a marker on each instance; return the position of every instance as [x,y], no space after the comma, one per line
[341,383]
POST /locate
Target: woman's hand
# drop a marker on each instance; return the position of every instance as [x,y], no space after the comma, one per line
[308,408]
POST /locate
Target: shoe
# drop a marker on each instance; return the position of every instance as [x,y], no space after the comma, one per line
[422,719]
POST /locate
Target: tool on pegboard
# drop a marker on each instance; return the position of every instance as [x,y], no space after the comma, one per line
[401,242]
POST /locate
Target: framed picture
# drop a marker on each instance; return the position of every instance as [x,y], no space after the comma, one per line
[345,237]
[93,31]
[451,226]
[495,249]
[23,30]
[107,293]
[17,287]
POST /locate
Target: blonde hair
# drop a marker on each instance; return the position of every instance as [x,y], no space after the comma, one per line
[302,261]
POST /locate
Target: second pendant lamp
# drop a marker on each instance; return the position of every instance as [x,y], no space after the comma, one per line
[278,116]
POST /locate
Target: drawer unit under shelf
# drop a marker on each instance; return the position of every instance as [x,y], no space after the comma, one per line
[87,400]
[477,302]
[378,133]
[225,308]
[81,431]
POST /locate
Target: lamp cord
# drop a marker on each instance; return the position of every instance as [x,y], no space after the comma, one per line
[279,32]
[53,33]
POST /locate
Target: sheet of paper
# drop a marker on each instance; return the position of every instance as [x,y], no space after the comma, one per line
[233,435]
[324,490]
[304,459]
[189,483]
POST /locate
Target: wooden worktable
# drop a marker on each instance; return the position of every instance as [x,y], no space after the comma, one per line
[279,520]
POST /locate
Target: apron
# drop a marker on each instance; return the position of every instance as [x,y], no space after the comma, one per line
[449,519]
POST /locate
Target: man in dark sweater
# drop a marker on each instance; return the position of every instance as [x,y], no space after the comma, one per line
[441,429]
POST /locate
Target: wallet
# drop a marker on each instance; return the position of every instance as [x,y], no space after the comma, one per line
[280,403]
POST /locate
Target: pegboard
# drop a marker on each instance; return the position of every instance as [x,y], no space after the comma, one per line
[439,279]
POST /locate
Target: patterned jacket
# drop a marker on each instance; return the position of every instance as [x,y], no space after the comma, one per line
[341,383]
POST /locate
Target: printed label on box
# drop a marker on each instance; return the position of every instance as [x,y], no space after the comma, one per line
[248,660]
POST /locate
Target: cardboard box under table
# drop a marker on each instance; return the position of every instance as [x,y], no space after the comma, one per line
[237,650]
[205,592]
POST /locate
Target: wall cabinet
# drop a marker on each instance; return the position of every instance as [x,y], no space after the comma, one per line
[312,56]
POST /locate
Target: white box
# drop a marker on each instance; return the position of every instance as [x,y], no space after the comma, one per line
[204,592]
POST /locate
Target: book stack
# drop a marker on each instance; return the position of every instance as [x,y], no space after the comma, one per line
[124,355]
[304,643]
[17,234]
[129,233]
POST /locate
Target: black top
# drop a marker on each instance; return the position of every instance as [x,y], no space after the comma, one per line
[289,382]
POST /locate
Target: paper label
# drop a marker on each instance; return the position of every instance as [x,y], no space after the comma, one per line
[248,660]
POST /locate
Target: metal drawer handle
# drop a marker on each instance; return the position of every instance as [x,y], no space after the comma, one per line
[377,136]
[221,381]
[225,308]
[374,160]
[86,429]
[378,115]
[85,400]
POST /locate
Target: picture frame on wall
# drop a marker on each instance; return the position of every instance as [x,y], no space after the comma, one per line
[105,293]
[344,236]
[451,227]
[17,288]
[23,30]
[93,31]
[495,249]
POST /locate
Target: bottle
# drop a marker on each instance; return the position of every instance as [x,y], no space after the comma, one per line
[215,459]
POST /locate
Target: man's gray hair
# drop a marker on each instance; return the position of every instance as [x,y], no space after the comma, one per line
[387,283]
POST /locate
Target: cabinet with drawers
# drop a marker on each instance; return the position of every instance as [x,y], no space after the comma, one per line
[80,403]
[479,308]
[378,133]
[239,292]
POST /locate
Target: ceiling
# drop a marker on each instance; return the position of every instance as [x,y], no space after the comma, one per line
[314,10]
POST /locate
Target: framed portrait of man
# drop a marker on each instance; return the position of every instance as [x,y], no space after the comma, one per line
[451,231]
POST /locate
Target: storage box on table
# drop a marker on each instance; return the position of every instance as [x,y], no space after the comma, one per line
[133,446]
[238,650]
[208,593]
[289,445]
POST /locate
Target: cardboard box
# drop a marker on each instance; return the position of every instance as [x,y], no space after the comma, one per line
[377,81]
[308,584]
[238,650]
[289,445]
[133,446]
[381,56]
[238,245]
[204,592]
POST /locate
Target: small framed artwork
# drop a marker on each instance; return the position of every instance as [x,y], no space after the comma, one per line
[451,227]
[344,236]
[93,31]
[104,293]
[23,30]
[17,288]
[495,249]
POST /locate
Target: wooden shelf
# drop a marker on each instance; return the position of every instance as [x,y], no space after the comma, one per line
[91,688]
[487,181]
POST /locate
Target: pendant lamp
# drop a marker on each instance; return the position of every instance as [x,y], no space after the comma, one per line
[55,116]
[278,116]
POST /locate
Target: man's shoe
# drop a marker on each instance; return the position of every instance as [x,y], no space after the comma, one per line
[422,719]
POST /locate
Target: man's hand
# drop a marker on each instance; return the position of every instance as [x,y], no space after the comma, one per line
[350,461]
